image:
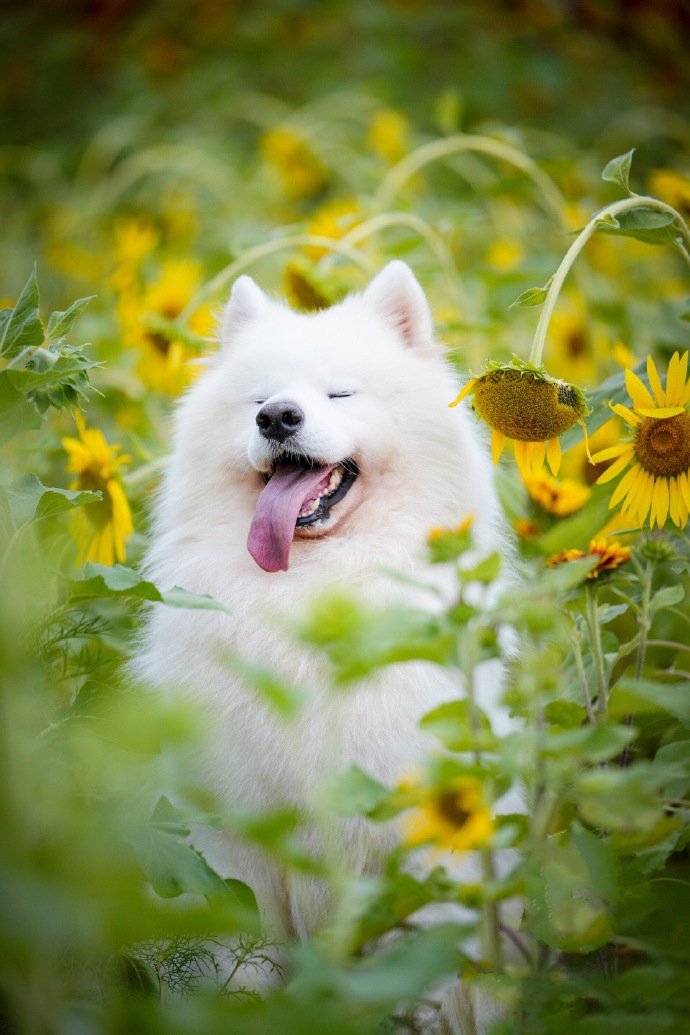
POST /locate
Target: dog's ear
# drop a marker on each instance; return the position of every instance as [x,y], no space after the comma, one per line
[396,295]
[246,301]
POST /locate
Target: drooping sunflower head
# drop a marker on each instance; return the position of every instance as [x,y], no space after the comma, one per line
[657,485]
[524,404]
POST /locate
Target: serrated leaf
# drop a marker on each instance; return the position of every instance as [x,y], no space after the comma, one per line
[23,327]
[354,793]
[60,323]
[618,170]
[100,580]
[459,727]
[30,500]
[16,412]
[531,297]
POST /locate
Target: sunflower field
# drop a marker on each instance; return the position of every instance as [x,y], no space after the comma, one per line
[530,160]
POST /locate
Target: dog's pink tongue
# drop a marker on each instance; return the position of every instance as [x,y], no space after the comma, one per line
[273,525]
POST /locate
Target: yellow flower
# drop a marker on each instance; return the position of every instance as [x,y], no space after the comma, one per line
[623,356]
[438,532]
[577,462]
[557,497]
[164,363]
[301,172]
[657,485]
[388,135]
[134,240]
[505,254]
[672,187]
[454,816]
[530,408]
[333,221]
[302,290]
[527,529]
[573,349]
[610,556]
[101,528]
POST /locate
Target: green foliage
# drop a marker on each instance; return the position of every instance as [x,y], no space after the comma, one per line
[111,920]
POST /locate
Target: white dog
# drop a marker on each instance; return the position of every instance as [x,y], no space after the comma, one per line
[313,452]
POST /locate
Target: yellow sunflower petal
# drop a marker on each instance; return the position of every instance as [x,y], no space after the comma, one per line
[674,502]
[661,412]
[674,383]
[626,482]
[684,486]
[553,455]
[536,455]
[660,501]
[611,452]
[498,441]
[645,493]
[615,469]
[627,414]
[464,392]
[637,391]
[655,382]
[683,507]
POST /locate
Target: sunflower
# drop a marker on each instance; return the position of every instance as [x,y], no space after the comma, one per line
[524,404]
[609,555]
[300,171]
[559,497]
[657,485]
[146,319]
[332,220]
[388,135]
[453,816]
[101,528]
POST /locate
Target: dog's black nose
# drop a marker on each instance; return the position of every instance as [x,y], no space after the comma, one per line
[279,420]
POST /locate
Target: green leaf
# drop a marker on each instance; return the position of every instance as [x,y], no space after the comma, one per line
[618,170]
[23,328]
[531,297]
[354,793]
[640,696]
[30,500]
[644,224]
[619,799]
[459,727]
[119,581]
[175,868]
[60,324]
[667,596]
[285,699]
[592,743]
[17,414]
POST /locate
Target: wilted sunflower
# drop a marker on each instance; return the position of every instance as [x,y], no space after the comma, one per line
[454,816]
[101,528]
[610,555]
[657,485]
[524,404]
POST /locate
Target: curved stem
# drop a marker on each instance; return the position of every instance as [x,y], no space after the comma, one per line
[448,146]
[600,678]
[246,260]
[613,210]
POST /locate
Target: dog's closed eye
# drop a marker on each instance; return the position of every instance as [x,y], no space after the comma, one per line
[340,395]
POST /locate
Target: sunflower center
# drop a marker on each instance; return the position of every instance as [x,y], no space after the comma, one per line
[451,809]
[663,446]
[525,407]
[576,344]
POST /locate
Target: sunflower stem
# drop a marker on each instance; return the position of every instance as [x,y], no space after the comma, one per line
[584,682]
[600,679]
[616,208]
[644,621]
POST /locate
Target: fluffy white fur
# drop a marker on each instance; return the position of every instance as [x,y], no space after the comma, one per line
[421,464]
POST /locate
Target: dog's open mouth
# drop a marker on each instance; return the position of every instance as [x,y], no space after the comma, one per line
[298,493]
